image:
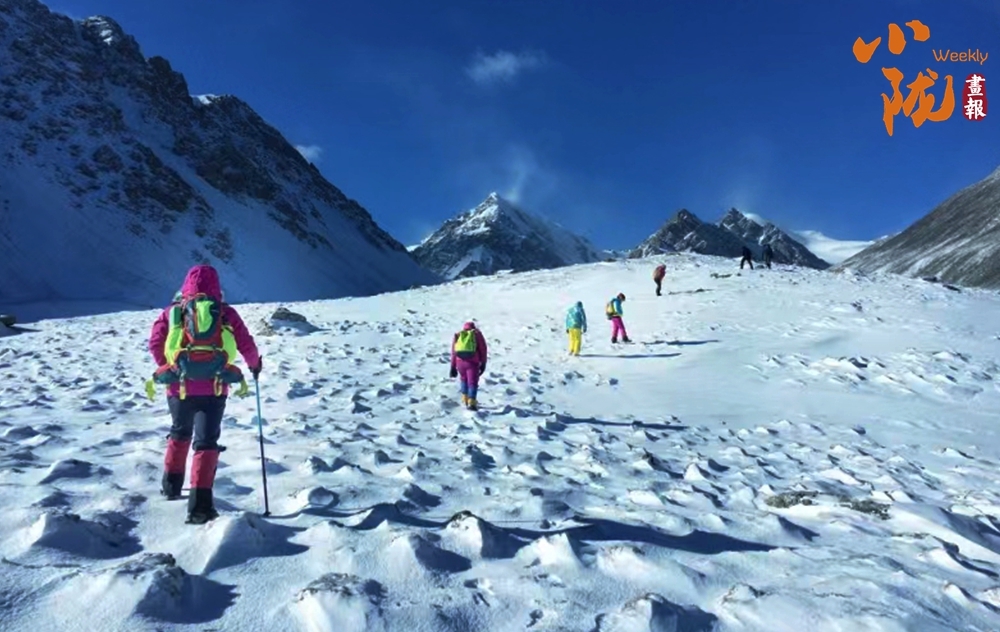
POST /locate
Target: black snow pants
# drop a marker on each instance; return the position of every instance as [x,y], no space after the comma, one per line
[200,416]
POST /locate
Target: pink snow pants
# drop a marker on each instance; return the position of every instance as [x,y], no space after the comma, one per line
[618,327]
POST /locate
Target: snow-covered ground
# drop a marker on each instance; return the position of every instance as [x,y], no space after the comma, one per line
[781,450]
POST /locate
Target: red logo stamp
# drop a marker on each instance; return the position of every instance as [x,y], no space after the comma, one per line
[974,97]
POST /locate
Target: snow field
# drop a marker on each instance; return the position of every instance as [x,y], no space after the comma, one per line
[779,450]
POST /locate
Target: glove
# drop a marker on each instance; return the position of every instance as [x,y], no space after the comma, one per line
[482,368]
[255,370]
[453,373]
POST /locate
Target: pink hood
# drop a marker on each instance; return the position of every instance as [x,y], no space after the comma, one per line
[203,279]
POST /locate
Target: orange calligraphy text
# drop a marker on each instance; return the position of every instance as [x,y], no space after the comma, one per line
[918,105]
[863,50]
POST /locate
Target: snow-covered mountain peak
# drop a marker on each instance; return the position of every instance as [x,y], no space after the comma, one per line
[107,30]
[685,232]
[499,235]
[110,162]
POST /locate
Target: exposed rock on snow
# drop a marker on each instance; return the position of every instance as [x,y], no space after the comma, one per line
[285,320]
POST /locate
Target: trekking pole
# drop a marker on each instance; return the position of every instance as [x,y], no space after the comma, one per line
[260,438]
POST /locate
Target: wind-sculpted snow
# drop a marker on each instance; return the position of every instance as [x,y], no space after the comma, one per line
[780,450]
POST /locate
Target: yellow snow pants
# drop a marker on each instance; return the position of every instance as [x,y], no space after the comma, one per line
[575,340]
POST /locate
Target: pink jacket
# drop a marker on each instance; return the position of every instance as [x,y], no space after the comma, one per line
[481,351]
[202,279]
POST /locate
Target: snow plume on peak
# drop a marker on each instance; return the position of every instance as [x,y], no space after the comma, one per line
[498,235]
[312,153]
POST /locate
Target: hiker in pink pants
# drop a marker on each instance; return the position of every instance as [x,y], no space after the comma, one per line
[468,362]
[614,312]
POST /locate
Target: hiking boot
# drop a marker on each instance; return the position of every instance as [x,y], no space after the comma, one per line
[626,339]
[201,507]
[465,400]
[203,517]
[614,341]
[172,484]
[473,405]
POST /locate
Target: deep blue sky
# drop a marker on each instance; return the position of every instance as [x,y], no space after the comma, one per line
[622,112]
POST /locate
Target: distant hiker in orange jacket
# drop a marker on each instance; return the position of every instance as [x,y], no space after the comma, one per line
[658,274]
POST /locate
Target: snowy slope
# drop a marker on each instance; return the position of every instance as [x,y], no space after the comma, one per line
[114,180]
[828,248]
[497,235]
[957,242]
[729,472]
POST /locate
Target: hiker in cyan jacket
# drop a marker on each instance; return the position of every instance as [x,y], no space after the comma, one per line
[194,343]
[468,362]
[576,326]
[614,313]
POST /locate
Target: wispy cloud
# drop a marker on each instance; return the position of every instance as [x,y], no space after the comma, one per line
[311,153]
[503,67]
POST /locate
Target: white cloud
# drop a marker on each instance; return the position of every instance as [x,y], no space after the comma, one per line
[827,248]
[503,66]
[310,152]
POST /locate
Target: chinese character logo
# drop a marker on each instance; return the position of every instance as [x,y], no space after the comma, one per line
[918,105]
[974,97]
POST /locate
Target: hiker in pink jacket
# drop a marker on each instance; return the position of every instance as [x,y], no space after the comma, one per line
[192,342]
[468,362]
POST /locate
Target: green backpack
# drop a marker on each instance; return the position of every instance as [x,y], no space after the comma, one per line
[465,343]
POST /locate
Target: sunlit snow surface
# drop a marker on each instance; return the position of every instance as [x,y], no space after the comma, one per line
[648,487]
